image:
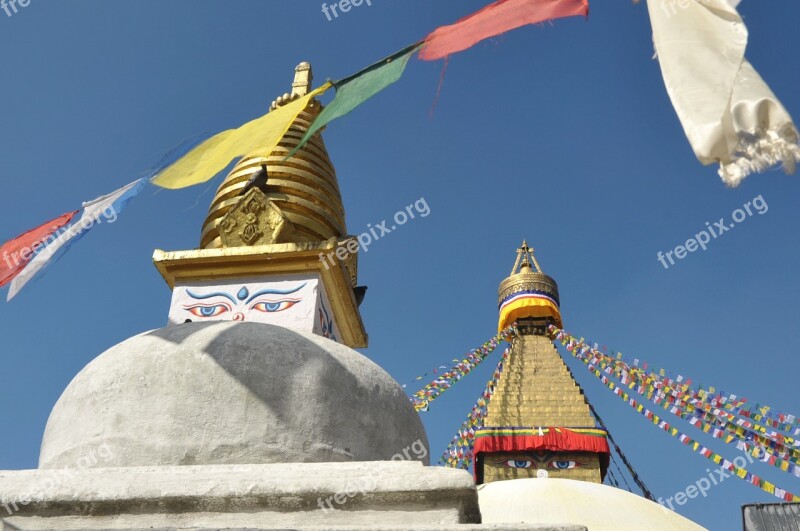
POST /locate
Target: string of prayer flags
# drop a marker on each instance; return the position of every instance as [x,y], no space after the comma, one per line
[259,136]
[93,211]
[18,252]
[720,399]
[775,451]
[494,19]
[663,392]
[358,88]
[728,113]
[418,378]
[460,450]
[578,350]
[697,413]
[422,398]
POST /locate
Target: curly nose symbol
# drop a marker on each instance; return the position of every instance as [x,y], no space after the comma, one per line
[238,317]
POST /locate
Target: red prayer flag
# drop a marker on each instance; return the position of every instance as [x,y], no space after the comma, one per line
[15,254]
[494,19]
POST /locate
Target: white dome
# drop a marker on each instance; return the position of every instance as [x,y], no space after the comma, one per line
[567,501]
[231,393]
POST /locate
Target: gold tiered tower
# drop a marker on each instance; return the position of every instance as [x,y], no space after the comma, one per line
[538,423]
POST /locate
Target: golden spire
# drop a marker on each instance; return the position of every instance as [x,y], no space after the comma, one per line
[302,201]
[528,292]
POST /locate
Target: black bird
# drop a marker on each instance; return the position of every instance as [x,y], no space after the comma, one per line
[258,180]
[360,292]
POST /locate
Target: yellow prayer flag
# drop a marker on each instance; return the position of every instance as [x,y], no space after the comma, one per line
[259,136]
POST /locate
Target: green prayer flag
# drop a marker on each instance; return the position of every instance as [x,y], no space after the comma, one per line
[358,88]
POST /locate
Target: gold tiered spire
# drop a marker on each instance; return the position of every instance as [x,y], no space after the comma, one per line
[538,423]
[304,188]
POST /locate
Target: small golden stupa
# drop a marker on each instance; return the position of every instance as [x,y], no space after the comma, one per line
[271,230]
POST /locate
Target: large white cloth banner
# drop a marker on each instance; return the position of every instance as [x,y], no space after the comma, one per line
[728,112]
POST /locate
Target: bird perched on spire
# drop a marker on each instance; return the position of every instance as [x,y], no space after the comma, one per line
[258,180]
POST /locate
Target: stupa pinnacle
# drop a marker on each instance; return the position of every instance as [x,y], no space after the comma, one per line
[528,293]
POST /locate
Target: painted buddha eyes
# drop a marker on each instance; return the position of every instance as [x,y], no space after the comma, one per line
[563,465]
[515,463]
[557,464]
[274,306]
[208,310]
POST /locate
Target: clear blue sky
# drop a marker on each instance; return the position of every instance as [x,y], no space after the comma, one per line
[561,134]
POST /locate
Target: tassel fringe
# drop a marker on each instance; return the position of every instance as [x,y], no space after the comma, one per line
[760,152]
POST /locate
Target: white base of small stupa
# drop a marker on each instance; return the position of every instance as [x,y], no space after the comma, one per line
[368,495]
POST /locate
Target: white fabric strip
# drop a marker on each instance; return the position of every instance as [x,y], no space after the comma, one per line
[728,112]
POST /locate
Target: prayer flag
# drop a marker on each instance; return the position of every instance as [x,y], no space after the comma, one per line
[18,252]
[106,205]
[259,136]
[729,114]
[494,19]
[358,88]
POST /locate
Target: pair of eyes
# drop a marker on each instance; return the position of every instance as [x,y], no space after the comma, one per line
[216,309]
[555,463]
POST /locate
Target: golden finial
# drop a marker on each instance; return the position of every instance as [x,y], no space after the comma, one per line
[525,258]
[303,76]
